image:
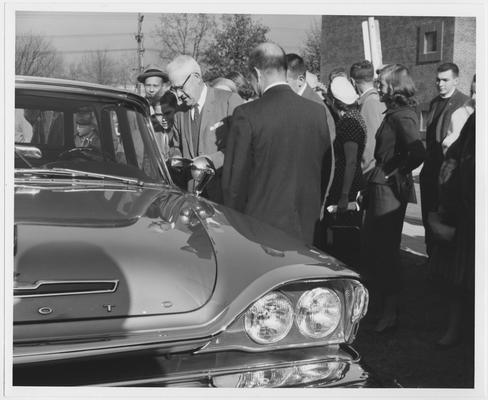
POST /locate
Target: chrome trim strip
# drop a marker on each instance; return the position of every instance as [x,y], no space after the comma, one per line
[40,283]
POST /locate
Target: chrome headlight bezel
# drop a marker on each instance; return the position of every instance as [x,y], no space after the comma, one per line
[353,304]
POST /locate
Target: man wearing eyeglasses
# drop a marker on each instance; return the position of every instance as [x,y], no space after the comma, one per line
[202,127]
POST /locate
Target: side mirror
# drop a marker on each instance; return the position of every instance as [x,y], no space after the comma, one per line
[179,163]
[202,170]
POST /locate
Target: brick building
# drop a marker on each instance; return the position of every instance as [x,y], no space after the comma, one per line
[420,43]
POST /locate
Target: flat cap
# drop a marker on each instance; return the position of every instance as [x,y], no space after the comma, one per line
[152,70]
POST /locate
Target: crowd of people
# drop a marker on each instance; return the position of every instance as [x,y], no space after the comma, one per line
[333,167]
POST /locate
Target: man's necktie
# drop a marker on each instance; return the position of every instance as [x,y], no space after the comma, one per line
[195,128]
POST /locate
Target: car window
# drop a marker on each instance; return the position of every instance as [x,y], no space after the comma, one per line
[83,132]
[39,126]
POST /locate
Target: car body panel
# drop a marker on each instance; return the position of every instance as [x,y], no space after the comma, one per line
[111,273]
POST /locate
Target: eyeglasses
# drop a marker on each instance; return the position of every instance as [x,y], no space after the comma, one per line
[175,89]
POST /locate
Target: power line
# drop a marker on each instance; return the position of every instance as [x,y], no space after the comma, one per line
[104,50]
[76,35]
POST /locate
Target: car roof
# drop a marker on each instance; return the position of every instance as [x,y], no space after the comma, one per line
[66,85]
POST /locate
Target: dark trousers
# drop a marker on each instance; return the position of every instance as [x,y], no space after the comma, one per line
[428,191]
[380,240]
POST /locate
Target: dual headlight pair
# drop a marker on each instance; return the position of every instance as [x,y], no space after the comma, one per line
[317,314]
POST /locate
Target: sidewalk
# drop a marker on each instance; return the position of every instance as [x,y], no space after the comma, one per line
[413,230]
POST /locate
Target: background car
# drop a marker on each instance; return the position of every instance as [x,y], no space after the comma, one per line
[123,279]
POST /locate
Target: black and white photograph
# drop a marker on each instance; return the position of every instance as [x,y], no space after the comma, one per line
[263,200]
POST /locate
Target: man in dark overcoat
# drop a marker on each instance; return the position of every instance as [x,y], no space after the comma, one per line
[274,157]
[441,108]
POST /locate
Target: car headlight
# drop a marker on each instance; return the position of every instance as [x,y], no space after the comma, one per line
[318,312]
[269,319]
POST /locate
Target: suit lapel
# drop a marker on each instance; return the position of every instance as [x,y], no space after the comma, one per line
[206,112]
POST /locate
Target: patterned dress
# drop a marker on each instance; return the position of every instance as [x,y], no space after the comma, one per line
[350,128]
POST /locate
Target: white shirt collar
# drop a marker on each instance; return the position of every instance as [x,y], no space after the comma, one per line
[274,84]
[449,94]
[366,91]
[302,90]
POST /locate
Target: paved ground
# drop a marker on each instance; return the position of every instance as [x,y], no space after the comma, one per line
[409,354]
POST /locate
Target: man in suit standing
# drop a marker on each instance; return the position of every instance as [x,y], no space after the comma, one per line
[274,156]
[296,74]
[438,119]
[370,107]
[201,128]
[296,78]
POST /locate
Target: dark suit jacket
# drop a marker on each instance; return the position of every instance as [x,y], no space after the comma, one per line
[434,156]
[274,160]
[311,95]
[215,122]
[214,125]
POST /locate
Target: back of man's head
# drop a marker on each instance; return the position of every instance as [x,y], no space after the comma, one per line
[268,58]
[362,71]
[295,65]
[449,67]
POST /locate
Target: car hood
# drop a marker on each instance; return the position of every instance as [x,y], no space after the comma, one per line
[102,253]
[120,255]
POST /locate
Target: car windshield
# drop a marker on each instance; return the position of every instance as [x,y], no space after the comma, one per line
[85,133]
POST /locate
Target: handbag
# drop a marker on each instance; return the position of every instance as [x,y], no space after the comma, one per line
[343,232]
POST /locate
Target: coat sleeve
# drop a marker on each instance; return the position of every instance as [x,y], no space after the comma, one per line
[413,151]
[238,162]
[218,157]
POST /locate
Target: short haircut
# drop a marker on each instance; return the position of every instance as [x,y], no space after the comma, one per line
[362,71]
[449,67]
[184,61]
[295,65]
[267,56]
[401,88]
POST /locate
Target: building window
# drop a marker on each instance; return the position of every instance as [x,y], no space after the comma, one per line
[430,42]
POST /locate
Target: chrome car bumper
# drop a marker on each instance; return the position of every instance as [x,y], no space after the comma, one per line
[330,366]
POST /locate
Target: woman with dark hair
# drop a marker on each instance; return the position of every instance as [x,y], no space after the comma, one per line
[390,187]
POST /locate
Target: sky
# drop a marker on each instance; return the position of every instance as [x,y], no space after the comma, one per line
[75,33]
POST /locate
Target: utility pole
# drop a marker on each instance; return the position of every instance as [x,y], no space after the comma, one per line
[140,50]
[372,42]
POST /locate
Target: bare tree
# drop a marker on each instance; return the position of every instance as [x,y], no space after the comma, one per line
[184,34]
[35,55]
[311,50]
[100,67]
[96,67]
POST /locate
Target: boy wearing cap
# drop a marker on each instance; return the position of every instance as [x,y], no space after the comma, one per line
[86,130]
[156,83]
